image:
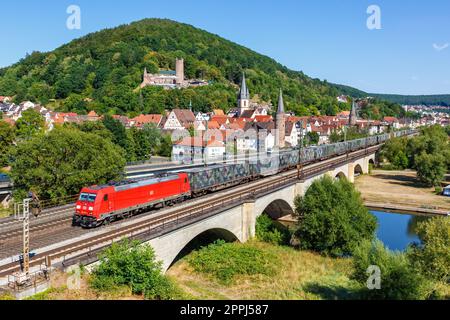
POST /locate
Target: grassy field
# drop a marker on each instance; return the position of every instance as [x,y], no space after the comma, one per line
[399,188]
[299,275]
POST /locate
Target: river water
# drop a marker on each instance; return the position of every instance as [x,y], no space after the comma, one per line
[396,230]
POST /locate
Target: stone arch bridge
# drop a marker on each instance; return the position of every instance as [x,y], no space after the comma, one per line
[238,223]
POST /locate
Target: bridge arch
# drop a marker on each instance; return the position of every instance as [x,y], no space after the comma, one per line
[277,209]
[358,170]
[170,250]
[341,175]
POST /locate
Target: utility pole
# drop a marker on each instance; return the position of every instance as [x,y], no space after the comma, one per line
[22,212]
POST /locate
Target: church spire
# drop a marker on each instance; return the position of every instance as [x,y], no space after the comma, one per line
[353,115]
[280,103]
[280,122]
[244,94]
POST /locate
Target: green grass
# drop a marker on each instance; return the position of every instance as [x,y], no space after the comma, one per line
[279,273]
[47,294]
[225,261]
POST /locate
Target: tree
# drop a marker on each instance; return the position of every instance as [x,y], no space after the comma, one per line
[333,218]
[165,148]
[7,135]
[132,264]
[117,129]
[30,124]
[61,162]
[432,256]
[312,138]
[147,140]
[95,127]
[398,279]
[431,168]
[394,151]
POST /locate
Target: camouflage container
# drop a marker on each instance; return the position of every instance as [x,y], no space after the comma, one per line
[215,176]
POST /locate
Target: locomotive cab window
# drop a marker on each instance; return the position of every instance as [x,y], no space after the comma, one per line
[88,197]
[92,197]
[84,197]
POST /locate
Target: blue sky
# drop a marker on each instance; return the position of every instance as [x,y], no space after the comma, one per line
[327,39]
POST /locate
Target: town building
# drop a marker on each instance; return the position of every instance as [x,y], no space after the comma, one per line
[196,148]
[179,119]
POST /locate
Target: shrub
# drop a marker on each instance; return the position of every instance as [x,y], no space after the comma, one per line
[333,218]
[224,261]
[399,280]
[131,264]
[432,257]
[268,231]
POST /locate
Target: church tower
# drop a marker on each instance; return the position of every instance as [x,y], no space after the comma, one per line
[244,97]
[281,123]
[353,115]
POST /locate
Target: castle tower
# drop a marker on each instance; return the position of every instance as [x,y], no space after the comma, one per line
[244,97]
[281,123]
[353,115]
[179,69]
[145,80]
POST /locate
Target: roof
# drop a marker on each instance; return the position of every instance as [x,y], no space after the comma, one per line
[92,114]
[213,125]
[247,114]
[185,116]
[390,119]
[218,112]
[167,72]
[148,118]
[263,118]
[199,142]
[220,119]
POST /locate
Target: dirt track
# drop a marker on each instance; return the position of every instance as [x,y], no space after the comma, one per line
[399,188]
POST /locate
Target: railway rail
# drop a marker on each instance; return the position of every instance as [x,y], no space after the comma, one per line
[151,226]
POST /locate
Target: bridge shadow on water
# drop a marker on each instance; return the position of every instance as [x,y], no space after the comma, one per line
[203,240]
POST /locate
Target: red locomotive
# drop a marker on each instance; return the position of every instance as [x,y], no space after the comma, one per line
[103,204]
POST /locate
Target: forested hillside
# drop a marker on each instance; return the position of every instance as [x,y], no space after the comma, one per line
[430,100]
[102,72]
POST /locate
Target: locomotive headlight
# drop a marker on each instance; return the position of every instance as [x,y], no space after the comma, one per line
[78,207]
[91,208]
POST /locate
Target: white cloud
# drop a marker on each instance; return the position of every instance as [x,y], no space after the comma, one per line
[440,47]
[415,78]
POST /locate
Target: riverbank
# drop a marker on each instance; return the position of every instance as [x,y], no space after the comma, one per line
[400,191]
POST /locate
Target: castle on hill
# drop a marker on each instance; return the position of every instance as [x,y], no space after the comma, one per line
[171,79]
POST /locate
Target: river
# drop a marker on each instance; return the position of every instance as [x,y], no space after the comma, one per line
[397,230]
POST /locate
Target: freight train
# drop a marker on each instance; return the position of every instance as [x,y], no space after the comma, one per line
[98,205]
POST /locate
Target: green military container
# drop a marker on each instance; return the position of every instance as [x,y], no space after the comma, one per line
[217,177]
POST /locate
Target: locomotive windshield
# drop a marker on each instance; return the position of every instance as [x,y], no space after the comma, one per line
[88,197]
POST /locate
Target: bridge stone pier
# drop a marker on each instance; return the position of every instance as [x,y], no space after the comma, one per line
[238,223]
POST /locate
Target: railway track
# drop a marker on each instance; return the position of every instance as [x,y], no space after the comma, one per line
[9,225]
[150,226]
